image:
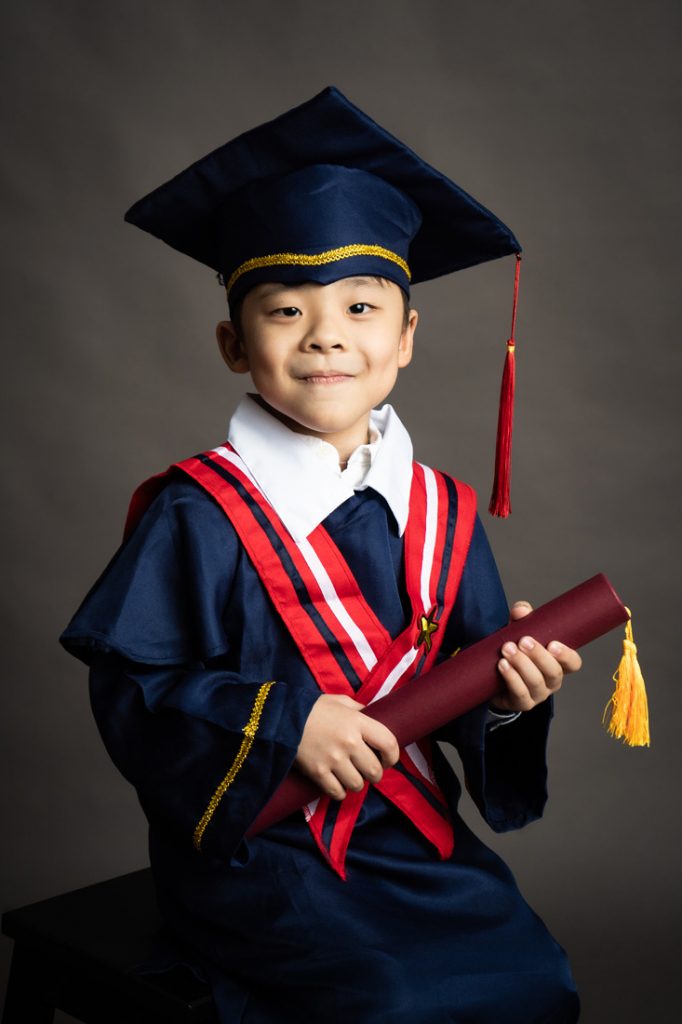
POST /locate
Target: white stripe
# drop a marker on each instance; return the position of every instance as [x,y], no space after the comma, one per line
[418,760]
[429,538]
[310,809]
[232,457]
[336,606]
[397,673]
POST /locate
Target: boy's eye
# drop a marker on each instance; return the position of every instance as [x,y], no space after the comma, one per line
[360,307]
[287,311]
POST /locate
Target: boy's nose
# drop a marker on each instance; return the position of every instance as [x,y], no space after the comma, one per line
[325,333]
[324,337]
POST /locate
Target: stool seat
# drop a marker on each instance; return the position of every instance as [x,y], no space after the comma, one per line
[79,952]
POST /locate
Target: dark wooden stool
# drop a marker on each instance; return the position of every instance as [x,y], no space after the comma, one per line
[77,953]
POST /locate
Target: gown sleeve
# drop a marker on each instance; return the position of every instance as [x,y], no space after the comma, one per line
[505,768]
[204,746]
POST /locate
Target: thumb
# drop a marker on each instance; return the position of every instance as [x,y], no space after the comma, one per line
[519,609]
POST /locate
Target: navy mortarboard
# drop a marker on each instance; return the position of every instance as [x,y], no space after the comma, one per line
[324,192]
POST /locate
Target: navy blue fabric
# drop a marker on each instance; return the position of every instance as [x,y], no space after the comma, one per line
[317,208]
[389,196]
[180,635]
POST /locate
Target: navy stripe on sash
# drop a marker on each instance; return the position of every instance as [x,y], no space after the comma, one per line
[449,539]
[291,571]
[423,790]
[329,822]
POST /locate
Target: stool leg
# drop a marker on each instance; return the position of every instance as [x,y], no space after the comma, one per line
[23,1002]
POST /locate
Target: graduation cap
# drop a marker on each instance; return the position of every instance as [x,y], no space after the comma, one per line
[323,192]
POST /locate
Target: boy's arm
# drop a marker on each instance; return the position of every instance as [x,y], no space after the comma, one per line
[505,767]
[204,746]
[205,749]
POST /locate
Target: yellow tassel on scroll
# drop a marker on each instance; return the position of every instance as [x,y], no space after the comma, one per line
[629,711]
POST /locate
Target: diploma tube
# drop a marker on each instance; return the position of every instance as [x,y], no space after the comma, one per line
[459,684]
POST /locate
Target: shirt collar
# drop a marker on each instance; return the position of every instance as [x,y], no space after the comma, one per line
[301,478]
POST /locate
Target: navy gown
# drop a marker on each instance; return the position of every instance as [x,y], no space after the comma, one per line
[180,635]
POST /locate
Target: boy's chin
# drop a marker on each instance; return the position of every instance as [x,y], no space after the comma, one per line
[314,422]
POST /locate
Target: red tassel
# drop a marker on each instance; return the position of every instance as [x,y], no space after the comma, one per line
[500,503]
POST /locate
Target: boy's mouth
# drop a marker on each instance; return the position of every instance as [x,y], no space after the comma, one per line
[326,377]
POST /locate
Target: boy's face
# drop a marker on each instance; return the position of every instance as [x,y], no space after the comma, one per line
[322,356]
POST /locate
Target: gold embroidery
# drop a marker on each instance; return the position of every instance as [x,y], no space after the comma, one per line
[427,626]
[302,259]
[249,731]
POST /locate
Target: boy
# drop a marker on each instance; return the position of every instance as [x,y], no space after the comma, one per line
[309,553]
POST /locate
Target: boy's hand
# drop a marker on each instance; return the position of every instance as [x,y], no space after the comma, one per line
[530,671]
[337,748]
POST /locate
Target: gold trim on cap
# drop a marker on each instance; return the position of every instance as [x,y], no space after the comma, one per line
[303,259]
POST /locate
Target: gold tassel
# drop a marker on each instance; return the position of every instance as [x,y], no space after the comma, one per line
[629,712]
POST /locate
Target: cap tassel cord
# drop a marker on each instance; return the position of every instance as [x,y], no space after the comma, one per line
[500,502]
[629,710]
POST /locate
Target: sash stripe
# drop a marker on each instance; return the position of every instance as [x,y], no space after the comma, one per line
[451,503]
[426,788]
[350,610]
[431,529]
[347,587]
[332,598]
[431,823]
[329,821]
[396,673]
[290,570]
[416,527]
[418,760]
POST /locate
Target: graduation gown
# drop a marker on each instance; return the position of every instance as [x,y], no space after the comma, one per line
[180,636]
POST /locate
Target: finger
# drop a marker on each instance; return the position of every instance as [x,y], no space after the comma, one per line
[330,785]
[519,609]
[368,764]
[569,659]
[349,777]
[554,661]
[380,739]
[518,697]
[531,674]
[551,669]
[341,698]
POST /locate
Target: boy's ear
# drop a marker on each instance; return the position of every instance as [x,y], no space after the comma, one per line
[407,340]
[231,347]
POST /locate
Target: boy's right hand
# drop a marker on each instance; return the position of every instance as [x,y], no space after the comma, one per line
[339,746]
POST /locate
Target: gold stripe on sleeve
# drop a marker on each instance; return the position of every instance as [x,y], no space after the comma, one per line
[249,731]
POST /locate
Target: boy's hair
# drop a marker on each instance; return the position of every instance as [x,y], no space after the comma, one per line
[235,313]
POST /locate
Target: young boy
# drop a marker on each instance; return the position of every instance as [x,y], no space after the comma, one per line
[272,587]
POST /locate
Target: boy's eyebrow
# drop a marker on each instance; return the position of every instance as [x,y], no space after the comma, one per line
[268,288]
[357,281]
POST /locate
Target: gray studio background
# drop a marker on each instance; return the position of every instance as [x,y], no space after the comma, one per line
[561,117]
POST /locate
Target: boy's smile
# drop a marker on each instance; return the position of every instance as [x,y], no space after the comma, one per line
[322,356]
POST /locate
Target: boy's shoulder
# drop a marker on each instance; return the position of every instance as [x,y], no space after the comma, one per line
[174,502]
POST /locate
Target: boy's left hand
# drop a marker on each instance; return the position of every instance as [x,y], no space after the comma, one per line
[531,672]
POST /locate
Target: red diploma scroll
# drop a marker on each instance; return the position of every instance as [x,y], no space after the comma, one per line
[459,684]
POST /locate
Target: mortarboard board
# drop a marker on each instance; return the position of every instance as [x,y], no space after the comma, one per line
[324,192]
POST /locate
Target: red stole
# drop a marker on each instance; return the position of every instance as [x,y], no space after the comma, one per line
[337,633]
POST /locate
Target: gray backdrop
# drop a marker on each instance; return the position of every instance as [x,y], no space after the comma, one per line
[562,118]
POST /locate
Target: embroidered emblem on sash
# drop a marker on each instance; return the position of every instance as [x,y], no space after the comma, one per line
[427,626]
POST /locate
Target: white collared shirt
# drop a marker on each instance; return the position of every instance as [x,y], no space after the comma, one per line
[301,476]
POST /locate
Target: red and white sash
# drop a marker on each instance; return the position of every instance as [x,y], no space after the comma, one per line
[344,645]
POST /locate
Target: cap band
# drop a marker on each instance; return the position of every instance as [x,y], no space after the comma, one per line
[303,259]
